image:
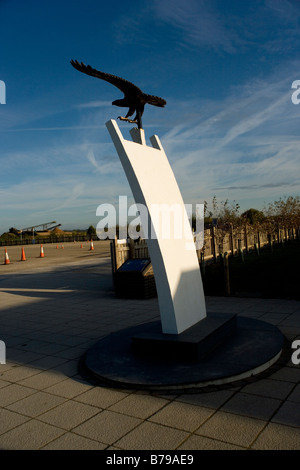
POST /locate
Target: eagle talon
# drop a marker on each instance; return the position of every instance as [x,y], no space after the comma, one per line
[127,120]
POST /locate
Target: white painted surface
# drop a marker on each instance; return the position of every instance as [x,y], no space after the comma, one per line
[176,268]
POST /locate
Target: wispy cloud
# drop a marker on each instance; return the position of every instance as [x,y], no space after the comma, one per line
[199,22]
[286,10]
[256,119]
[49,129]
[94,104]
[76,192]
[280,184]
[202,24]
[106,165]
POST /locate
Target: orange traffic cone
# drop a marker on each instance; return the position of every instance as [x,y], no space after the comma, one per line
[42,252]
[62,246]
[23,257]
[81,246]
[92,245]
[6,259]
[57,247]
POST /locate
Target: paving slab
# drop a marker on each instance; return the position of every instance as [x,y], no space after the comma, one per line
[139,405]
[288,413]
[107,427]
[183,416]
[36,404]
[152,436]
[234,429]
[68,415]
[195,443]
[71,441]
[252,406]
[269,388]
[31,435]
[277,437]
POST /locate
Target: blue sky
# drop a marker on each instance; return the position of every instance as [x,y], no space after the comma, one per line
[225,68]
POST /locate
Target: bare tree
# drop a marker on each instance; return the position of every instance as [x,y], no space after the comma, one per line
[227,220]
[283,217]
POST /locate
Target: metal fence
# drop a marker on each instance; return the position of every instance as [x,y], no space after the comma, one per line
[44,240]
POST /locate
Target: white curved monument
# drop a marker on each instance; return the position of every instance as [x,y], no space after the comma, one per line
[187,348]
[175,264]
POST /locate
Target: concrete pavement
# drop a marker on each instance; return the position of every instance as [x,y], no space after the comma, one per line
[53,309]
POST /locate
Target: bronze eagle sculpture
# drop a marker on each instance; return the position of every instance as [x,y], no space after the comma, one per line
[134,98]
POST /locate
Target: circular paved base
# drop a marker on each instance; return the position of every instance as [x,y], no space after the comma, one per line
[254,347]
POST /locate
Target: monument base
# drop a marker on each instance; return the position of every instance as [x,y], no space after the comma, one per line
[193,344]
[253,347]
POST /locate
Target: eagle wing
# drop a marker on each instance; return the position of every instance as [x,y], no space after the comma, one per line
[125,86]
